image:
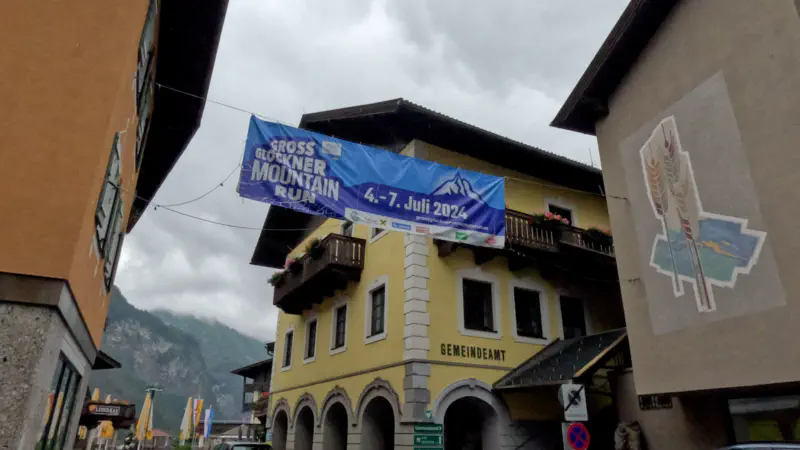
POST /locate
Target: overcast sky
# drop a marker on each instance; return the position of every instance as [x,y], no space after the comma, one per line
[505,66]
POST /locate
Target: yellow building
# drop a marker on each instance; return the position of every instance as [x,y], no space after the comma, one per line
[380,331]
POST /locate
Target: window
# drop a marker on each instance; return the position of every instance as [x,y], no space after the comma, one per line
[376,233]
[145,109]
[347,228]
[287,349]
[109,215]
[478,308]
[563,212]
[108,194]
[340,327]
[377,306]
[58,410]
[528,313]
[113,247]
[573,320]
[146,46]
[311,340]
[375,309]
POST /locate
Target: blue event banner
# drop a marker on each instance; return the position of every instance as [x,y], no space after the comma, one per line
[322,175]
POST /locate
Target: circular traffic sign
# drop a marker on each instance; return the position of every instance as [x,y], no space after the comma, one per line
[578,436]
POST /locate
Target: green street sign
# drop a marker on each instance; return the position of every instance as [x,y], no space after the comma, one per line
[428,448]
[428,439]
[428,428]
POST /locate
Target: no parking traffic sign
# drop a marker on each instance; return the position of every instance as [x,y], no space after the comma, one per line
[578,436]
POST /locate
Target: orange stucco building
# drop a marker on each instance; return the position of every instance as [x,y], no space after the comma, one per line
[85,123]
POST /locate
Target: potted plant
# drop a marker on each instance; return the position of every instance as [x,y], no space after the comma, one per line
[315,248]
[276,279]
[294,265]
[599,235]
[551,222]
[549,219]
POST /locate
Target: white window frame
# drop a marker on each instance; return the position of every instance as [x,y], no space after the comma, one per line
[477,274]
[586,319]
[290,330]
[309,321]
[562,203]
[384,232]
[377,283]
[338,304]
[544,300]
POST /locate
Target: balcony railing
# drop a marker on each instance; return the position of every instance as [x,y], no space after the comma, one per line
[522,230]
[342,260]
[576,237]
[260,406]
[256,387]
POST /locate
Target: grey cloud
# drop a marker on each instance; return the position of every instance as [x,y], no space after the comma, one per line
[504,65]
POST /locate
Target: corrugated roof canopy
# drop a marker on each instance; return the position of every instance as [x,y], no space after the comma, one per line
[563,360]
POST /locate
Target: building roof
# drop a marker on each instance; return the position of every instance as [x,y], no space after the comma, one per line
[391,125]
[188,36]
[588,101]
[254,369]
[103,362]
[563,360]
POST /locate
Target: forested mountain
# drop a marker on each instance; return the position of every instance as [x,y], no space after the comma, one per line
[184,355]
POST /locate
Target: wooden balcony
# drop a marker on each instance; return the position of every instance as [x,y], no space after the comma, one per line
[260,406]
[553,248]
[341,261]
[522,230]
[256,387]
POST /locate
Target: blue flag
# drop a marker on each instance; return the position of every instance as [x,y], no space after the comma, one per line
[321,175]
[207,423]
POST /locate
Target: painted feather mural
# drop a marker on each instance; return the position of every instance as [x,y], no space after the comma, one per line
[694,246]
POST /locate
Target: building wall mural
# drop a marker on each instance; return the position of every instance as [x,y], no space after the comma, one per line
[703,249]
[694,247]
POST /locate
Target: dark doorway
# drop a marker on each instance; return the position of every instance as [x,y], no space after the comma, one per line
[377,428]
[470,424]
[280,425]
[334,435]
[304,429]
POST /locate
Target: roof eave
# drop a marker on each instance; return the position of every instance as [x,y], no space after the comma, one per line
[243,371]
[186,50]
[588,101]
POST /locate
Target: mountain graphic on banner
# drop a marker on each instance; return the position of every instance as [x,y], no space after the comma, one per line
[457,186]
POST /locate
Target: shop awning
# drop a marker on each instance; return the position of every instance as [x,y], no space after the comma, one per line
[104,362]
[565,360]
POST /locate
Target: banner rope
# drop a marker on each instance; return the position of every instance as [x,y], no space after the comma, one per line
[236,108]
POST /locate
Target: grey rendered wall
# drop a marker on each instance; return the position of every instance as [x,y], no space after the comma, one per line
[31,339]
[750,52]
[697,425]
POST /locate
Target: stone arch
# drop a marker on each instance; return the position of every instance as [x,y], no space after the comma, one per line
[336,395]
[378,388]
[281,405]
[304,400]
[469,388]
